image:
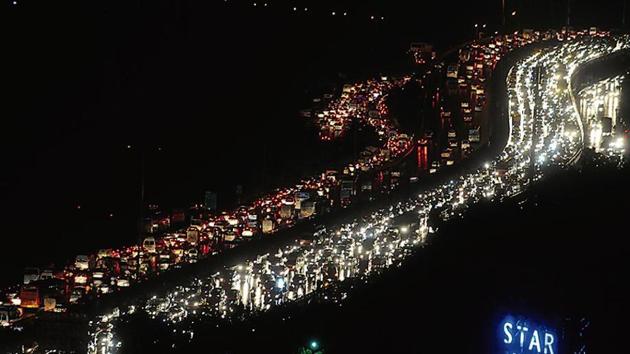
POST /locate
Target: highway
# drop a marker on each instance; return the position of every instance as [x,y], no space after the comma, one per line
[112,270]
[545,131]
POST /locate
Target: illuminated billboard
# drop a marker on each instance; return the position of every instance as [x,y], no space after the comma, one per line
[519,335]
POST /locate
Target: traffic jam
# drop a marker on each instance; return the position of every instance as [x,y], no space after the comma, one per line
[366,103]
[108,270]
[325,265]
[460,97]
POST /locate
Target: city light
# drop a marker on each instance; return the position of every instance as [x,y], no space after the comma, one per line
[547,128]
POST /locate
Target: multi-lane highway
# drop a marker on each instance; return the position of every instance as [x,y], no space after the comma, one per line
[110,270]
[545,130]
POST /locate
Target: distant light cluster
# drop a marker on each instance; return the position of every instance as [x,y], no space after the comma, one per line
[301,9]
[598,104]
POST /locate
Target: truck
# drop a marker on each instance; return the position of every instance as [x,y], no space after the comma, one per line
[29,297]
[452,71]
[286,211]
[229,236]
[82,262]
[474,135]
[149,245]
[307,210]
[31,274]
[301,197]
[267,226]
[9,315]
[347,191]
[192,234]
[50,304]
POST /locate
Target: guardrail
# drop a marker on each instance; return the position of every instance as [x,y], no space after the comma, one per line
[576,85]
[578,154]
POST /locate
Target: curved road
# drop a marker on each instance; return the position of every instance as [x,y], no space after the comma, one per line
[544,130]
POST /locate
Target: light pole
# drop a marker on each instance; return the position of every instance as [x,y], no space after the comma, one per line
[623,13]
[141,213]
[503,14]
[142,151]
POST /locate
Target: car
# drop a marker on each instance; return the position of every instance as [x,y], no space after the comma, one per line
[60,307]
[47,274]
[76,294]
[80,278]
[178,251]
[82,262]
[31,274]
[192,255]
[164,260]
[9,315]
[149,245]
[122,283]
[103,253]
[230,236]
[104,289]
[164,265]
[97,277]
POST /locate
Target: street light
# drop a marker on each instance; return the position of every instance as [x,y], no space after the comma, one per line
[142,150]
[623,13]
[314,345]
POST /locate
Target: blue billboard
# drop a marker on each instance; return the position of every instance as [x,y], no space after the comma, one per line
[522,336]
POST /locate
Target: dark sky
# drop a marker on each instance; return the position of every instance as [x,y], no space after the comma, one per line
[91,63]
[73,64]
